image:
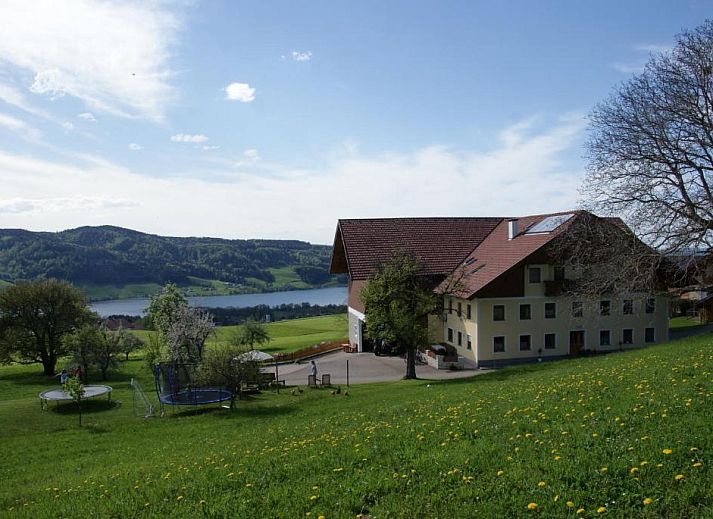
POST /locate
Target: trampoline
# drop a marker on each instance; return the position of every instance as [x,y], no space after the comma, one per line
[59,395]
[176,385]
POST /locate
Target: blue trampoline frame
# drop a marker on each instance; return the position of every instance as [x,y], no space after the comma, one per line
[171,390]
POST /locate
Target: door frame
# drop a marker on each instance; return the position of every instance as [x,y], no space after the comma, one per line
[584,341]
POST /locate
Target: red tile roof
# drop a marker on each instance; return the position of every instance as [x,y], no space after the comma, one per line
[497,254]
[441,244]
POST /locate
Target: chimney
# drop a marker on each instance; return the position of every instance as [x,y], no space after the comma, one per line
[512,229]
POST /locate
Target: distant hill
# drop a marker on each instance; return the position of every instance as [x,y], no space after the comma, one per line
[113,262]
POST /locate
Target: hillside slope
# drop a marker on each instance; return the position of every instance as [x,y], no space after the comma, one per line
[113,256]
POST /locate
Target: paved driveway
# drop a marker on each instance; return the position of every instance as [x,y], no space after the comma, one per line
[364,368]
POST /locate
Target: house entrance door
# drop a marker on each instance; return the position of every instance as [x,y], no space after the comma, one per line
[576,342]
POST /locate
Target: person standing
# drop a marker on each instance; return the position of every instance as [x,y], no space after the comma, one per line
[313,370]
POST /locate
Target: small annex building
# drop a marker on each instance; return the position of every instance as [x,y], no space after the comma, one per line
[513,307]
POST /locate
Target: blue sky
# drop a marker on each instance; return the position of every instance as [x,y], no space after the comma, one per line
[274,119]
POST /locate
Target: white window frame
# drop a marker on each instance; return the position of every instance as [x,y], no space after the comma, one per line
[505,344]
[468,342]
[544,309]
[622,337]
[544,341]
[519,344]
[600,337]
[600,307]
[519,313]
[505,316]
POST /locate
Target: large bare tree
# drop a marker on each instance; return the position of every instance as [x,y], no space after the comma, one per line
[650,148]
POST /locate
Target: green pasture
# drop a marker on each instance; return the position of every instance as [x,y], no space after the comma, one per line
[289,335]
[623,435]
[677,323]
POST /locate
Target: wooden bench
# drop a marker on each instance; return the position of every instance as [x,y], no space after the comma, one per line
[348,348]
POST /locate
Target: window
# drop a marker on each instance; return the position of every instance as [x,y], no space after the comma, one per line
[650,306]
[650,335]
[467,312]
[604,307]
[627,336]
[577,309]
[525,342]
[498,312]
[604,337]
[498,344]
[550,341]
[450,305]
[559,273]
[468,341]
[525,312]
[450,334]
[460,339]
[535,274]
[550,310]
[627,306]
[460,309]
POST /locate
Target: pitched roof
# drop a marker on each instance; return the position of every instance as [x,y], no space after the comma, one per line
[497,254]
[440,244]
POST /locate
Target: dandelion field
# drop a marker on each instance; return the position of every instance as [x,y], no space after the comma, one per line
[623,435]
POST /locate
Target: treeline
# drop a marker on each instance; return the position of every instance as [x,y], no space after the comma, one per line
[232,316]
[114,255]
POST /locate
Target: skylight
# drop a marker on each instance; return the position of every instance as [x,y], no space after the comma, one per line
[549,224]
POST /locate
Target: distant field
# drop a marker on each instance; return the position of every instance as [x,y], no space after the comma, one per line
[4,283]
[623,435]
[289,335]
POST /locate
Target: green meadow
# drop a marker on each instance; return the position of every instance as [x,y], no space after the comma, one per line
[623,435]
[289,335]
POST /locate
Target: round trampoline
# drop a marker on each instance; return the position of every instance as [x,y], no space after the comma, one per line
[59,395]
[176,385]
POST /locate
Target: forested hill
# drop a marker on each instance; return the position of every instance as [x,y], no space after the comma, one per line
[100,256]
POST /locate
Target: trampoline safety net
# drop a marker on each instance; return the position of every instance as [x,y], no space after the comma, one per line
[176,384]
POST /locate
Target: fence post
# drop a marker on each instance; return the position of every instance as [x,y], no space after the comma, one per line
[347,372]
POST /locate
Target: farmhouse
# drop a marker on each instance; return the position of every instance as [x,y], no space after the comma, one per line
[513,306]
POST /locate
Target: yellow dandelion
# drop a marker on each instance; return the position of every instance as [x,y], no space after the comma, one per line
[556,498]
[313,498]
[698,464]
[541,484]
[532,506]
[580,511]
[570,504]
[604,469]
[179,498]
[667,451]
[648,501]
[321,517]
[601,509]
[634,470]
[678,477]
[501,472]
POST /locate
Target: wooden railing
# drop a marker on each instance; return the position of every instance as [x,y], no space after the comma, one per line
[309,351]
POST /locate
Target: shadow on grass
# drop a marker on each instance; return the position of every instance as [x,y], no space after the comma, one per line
[88,407]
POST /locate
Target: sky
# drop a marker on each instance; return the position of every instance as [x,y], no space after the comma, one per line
[273,119]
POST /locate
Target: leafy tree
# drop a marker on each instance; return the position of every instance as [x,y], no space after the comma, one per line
[129,343]
[398,300]
[155,351]
[164,307]
[95,346]
[74,388]
[228,366]
[252,333]
[650,148]
[34,317]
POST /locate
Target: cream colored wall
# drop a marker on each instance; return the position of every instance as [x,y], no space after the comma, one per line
[591,322]
[460,323]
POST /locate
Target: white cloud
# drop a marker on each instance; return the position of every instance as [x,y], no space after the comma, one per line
[301,55]
[186,137]
[14,97]
[637,66]
[19,127]
[527,171]
[112,55]
[135,147]
[67,125]
[251,155]
[240,92]
[212,147]
[87,116]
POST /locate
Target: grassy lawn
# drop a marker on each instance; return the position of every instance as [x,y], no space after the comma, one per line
[289,335]
[623,435]
[678,323]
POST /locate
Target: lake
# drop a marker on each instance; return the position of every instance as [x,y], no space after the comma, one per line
[316,296]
